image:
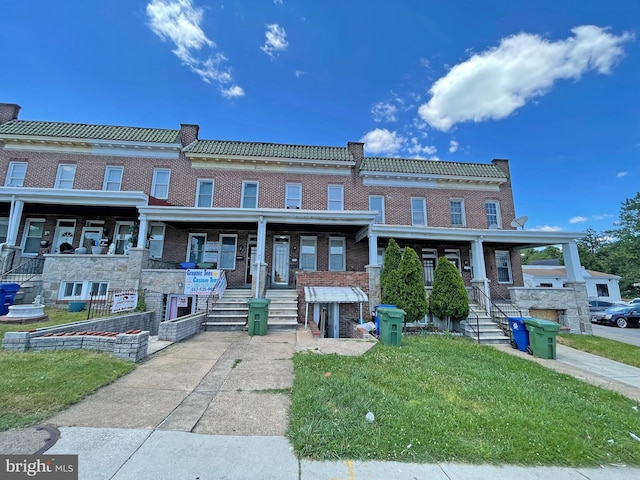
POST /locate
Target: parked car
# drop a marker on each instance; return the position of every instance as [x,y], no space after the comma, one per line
[635,301]
[602,305]
[620,316]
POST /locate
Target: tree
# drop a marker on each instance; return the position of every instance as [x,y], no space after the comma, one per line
[449,300]
[412,296]
[548,253]
[623,252]
[388,282]
[591,249]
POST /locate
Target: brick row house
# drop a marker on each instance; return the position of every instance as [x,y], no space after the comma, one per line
[271,216]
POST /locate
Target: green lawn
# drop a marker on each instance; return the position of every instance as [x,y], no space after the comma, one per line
[441,399]
[603,347]
[57,316]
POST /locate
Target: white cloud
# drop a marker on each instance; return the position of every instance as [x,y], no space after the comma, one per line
[178,21]
[384,112]
[278,2]
[276,40]
[494,83]
[578,219]
[417,149]
[546,228]
[621,174]
[232,92]
[300,73]
[453,146]
[382,141]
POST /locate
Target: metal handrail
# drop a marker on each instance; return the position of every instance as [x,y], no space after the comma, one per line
[214,295]
[501,319]
[25,271]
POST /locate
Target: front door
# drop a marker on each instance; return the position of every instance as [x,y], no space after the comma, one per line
[65,231]
[280,261]
[252,248]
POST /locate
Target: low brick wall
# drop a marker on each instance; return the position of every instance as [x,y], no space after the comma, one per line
[181,328]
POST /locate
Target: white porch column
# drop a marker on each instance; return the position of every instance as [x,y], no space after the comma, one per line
[480,279]
[15,215]
[261,240]
[260,271]
[142,232]
[572,262]
[373,248]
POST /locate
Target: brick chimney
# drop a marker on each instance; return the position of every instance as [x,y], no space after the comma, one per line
[188,133]
[8,112]
[357,150]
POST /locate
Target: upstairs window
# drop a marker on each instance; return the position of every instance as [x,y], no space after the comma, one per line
[493,214]
[65,176]
[160,185]
[418,211]
[204,194]
[335,197]
[113,179]
[376,204]
[457,213]
[249,195]
[293,196]
[15,175]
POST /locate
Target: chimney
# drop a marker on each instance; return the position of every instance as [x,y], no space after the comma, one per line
[188,133]
[8,112]
[357,150]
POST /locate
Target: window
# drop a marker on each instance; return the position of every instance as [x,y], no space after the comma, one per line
[15,175]
[156,241]
[602,289]
[546,285]
[122,235]
[33,231]
[228,252]
[418,211]
[503,264]
[4,229]
[493,214]
[308,253]
[204,194]
[160,185]
[293,196]
[113,179]
[98,289]
[76,290]
[196,247]
[453,255]
[380,254]
[457,212]
[336,254]
[335,197]
[249,195]
[376,203]
[71,289]
[429,259]
[65,176]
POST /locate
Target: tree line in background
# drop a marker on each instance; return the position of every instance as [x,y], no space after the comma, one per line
[615,251]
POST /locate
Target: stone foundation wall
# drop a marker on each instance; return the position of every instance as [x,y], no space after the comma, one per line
[181,328]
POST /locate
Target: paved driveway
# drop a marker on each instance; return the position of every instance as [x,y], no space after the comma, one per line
[626,335]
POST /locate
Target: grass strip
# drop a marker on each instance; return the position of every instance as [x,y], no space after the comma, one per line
[603,347]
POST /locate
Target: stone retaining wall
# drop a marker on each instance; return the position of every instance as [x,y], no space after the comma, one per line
[181,328]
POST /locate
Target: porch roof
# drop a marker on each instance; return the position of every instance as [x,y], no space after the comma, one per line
[334,295]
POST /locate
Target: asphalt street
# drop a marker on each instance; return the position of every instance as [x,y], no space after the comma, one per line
[627,335]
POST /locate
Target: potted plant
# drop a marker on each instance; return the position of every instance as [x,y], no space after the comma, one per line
[96,248]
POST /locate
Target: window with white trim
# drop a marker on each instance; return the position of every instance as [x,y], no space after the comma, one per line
[429,261]
[4,229]
[65,176]
[83,290]
[503,265]
[308,253]
[156,239]
[453,255]
[293,196]
[376,204]
[33,231]
[196,247]
[228,245]
[121,236]
[380,252]
[418,211]
[602,289]
[15,175]
[112,178]
[335,197]
[337,260]
[457,212]
[160,185]
[493,214]
[249,195]
[204,193]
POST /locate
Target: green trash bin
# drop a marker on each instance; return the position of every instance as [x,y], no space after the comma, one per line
[542,337]
[258,315]
[391,320]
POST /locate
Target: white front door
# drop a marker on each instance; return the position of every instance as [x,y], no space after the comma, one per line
[65,231]
[280,260]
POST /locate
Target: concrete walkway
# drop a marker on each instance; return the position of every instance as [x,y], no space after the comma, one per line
[216,407]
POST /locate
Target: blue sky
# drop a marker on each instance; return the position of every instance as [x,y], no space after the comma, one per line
[551,85]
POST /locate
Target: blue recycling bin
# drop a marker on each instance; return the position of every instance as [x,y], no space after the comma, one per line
[377,317]
[520,334]
[8,293]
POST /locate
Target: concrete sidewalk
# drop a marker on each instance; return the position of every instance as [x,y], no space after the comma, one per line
[216,407]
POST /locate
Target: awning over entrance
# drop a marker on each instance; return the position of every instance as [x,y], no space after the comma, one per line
[333,295]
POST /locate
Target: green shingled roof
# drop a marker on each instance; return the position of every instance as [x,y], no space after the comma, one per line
[430,167]
[93,132]
[269,150]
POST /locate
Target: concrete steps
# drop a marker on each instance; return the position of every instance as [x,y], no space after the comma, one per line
[482,328]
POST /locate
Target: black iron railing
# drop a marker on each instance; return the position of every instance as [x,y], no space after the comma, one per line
[23,272]
[499,310]
[114,302]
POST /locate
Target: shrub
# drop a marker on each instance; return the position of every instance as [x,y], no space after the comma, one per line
[448,300]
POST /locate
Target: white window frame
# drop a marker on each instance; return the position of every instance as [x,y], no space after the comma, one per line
[422,203]
[231,266]
[463,217]
[293,196]
[374,208]
[199,195]
[498,219]
[13,180]
[343,246]
[453,255]
[108,184]
[64,180]
[158,183]
[203,236]
[4,229]
[498,267]
[25,236]
[334,203]
[121,236]
[303,253]
[81,289]
[429,264]
[157,232]
[380,252]
[245,184]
